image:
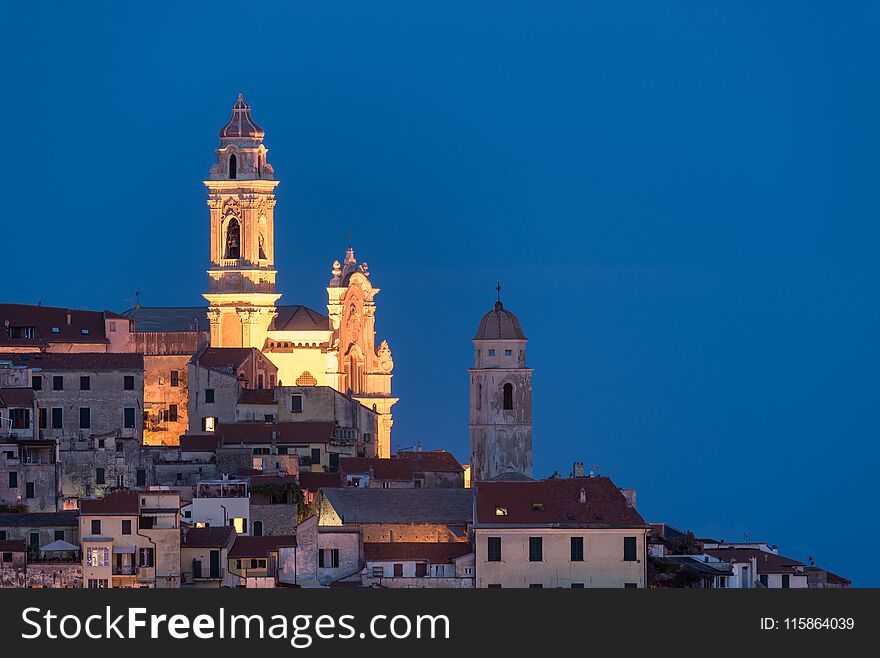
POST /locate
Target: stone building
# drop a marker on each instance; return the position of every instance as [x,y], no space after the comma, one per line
[436,469]
[309,348]
[204,555]
[30,475]
[35,328]
[500,399]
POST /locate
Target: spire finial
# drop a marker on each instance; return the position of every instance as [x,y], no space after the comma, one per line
[240,97]
[498,288]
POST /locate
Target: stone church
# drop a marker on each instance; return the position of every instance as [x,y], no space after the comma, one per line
[309,348]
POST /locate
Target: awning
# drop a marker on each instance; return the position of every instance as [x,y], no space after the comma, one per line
[60,545]
[123,549]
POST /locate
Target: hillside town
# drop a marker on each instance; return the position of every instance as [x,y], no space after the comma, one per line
[246,443]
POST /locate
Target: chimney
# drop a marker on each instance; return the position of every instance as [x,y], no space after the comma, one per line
[630,495]
[68,317]
[577,470]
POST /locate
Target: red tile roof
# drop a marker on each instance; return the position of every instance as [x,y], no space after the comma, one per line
[403,466]
[45,318]
[16,397]
[313,481]
[264,396]
[218,537]
[259,546]
[257,480]
[556,501]
[287,433]
[115,502]
[433,552]
[225,357]
[78,360]
[765,562]
[199,442]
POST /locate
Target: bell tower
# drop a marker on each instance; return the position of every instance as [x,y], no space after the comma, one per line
[501,399]
[241,197]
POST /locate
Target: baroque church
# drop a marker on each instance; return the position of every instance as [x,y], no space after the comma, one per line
[309,348]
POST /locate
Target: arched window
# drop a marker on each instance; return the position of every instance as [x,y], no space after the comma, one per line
[232,166]
[233,239]
[258,528]
[508,396]
[479,395]
[259,166]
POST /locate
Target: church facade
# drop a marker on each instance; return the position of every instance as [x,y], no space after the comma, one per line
[309,348]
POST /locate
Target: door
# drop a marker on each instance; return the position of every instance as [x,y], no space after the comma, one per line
[197,569]
[215,564]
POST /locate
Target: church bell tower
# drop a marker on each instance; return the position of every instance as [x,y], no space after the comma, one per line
[241,197]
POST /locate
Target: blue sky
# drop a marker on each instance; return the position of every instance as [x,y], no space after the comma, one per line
[679,199]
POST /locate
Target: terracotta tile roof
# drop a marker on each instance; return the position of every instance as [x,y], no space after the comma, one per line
[556,502]
[13,545]
[199,442]
[433,552]
[313,481]
[233,434]
[403,466]
[46,318]
[257,396]
[765,562]
[257,480]
[115,502]
[39,519]
[77,360]
[299,318]
[259,546]
[225,357]
[16,397]
[218,537]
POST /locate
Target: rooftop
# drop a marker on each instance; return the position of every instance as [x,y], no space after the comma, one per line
[765,562]
[50,325]
[402,466]
[499,324]
[575,502]
[115,502]
[39,519]
[241,124]
[77,360]
[217,537]
[232,434]
[360,505]
[433,552]
[245,546]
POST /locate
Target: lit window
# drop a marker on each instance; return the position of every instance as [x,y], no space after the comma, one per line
[500,511]
[85,332]
[97,556]
[240,524]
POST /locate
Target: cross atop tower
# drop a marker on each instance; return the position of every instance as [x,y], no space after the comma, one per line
[498,288]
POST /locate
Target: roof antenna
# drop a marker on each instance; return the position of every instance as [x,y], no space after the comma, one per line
[137,298]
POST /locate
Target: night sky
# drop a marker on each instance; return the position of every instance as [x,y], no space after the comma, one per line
[679,199]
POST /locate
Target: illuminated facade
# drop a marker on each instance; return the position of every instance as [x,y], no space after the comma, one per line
[309,348]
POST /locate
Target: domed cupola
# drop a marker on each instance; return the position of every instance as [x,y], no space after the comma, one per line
[241,125]
[499,324]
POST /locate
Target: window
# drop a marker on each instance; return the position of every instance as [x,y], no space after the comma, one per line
[57,383]
[128,383]
[328,558]
[316,455]
[577,549]
[97,583]
[85,332]
[85,383]
[112,327]
[85,418]
[500,511]
[141,477]
[507,391]
[175,378]
[37,382]
[493,549]
[577,585]
[491,352]
[127,420]
[7,557]
[334,462]
[145,556]
[2,535]
[29,490]
[209,396]
[494,586]
[21,418]
[96,527]
[764,580]
[172,413]
[398,570]
[239,523]
[98,556]
[629,549]
[34,541]
[508,353]
[44,418]
[630,585]
[57,418]
[13,480]
[536,549]
[99,476]
[232,239]
[296,404]
[101,443]
[126,526]
[260,381]
[537,507]
[233,166]
[208,423]
[56,330]
[59,535]
[257,529]
[786,581]
[120,480]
